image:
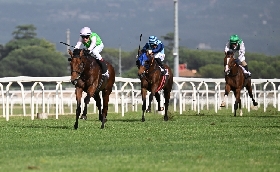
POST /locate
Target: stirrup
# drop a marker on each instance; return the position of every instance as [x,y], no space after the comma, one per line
[106,74]
[163,72]
[247,75]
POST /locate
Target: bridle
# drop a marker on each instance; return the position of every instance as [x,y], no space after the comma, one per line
[230,61]
[148,69]
[79,71]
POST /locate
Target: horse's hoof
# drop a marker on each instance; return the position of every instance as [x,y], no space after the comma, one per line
[101,119]
[102,126]
[143,120]
[83,117]
[75,126]
[161,109]
[148,111]
[165,118]
[255,103]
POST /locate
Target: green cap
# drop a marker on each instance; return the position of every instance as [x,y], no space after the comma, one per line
[234,39]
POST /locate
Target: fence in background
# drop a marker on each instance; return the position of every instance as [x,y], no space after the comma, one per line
[197,93]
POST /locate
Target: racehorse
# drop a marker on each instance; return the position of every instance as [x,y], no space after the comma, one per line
[86,76]
[236,81]
[152,80]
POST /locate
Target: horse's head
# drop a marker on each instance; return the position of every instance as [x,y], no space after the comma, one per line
[144,63]
[229,62]
[77,64]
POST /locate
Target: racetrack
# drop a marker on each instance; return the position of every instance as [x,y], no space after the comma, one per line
[207,141]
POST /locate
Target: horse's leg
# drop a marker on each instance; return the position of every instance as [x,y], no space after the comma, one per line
[249,88]
[78,92]
[149,106]
[157,95]
[166,103]
[98,105]
[144,93]
[240,109]
[237,103]
[227,90]
[105,95]
[86,101]
[90,93]
[150,100]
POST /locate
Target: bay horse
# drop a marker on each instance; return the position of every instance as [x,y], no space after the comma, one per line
[236,81]
[86,75]
[152,80]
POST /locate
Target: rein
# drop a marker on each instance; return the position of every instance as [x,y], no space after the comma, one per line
[154,69]
[231,74]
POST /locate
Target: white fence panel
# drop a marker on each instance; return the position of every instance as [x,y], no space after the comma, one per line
[195,93]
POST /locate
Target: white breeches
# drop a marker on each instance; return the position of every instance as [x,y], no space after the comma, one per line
[160,55]
[96,51]
[241,57]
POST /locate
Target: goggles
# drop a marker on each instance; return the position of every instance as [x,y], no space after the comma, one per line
[85,36]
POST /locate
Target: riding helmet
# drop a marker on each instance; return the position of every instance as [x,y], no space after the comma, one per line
[85,31]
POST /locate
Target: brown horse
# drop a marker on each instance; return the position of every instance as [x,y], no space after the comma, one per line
[153,81]
[86,76]
[236,81]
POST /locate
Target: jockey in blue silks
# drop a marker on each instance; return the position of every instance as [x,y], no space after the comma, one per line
[156,47]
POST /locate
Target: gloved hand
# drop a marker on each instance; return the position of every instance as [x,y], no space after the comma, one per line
[150,51]
[86,51]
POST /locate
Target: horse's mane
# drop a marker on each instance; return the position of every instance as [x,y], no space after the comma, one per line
[76,52]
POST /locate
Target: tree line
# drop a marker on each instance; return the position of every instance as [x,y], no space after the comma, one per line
[27,55]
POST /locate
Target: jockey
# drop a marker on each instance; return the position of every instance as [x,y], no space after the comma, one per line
[237,45]
[94,44]
[156,47]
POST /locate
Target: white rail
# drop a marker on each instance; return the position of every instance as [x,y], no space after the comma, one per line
[201,92]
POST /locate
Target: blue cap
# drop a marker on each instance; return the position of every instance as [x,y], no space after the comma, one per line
[152,39]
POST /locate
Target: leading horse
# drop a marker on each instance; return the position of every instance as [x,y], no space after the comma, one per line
[152,80]
[86,76]
[236,81]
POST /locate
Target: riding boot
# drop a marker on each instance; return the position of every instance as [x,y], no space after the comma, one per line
[163,72]
[103,67]
[248,74]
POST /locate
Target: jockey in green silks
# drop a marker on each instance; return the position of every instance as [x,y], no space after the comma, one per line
[94,44]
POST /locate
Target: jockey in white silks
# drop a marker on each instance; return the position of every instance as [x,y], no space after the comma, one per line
[235,44]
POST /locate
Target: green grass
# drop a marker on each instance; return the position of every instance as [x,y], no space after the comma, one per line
[188,142]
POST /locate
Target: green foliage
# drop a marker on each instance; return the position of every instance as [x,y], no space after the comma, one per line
[20,43]
[131,73]
[33,61]
[26,55]
[262,69]
[25,32]
[127,60]
[212,71]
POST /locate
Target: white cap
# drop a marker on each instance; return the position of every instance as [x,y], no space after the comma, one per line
[85,31]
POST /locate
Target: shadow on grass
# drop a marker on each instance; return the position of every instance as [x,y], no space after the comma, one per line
[43,126]
[268,116]
[125,120]
[250,126]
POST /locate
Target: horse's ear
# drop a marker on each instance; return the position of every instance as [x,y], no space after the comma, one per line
[230,52]
[82,52]
[70,52]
